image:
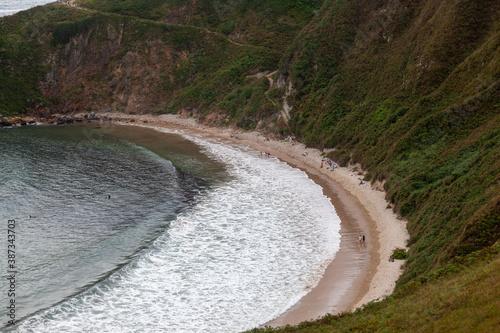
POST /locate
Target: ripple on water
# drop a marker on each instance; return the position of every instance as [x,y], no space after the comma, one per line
[251,248]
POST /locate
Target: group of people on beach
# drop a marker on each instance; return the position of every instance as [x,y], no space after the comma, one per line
[265,154]
[328,163]
[292,139]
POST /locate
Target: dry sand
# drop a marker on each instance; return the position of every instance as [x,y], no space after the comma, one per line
[359,273]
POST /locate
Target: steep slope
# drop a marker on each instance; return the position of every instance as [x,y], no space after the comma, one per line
[409,89]
[24,41]
[92,61]
[269,23]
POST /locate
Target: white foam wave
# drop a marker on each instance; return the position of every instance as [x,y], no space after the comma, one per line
[9,7]
[249,250]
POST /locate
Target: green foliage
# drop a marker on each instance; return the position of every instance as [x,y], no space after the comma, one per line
[23,52]
[149,9]
[240,99]
[228,27]
[64,31]
[399,254]
[269,23]
[416,103]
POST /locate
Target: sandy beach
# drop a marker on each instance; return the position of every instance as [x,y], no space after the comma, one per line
[360,272]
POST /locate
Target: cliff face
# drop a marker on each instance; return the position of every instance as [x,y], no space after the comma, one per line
[123,64]
[97,68]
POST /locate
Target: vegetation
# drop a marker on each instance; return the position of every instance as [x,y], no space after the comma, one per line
[269,23]
[24,48]
[194,69]
[400,254]
[409,89]
[466,299]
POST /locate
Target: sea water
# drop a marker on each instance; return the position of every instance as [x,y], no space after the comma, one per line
[170,234]
[10,7]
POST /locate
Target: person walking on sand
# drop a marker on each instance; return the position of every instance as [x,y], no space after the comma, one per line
[363,238]
[360,239]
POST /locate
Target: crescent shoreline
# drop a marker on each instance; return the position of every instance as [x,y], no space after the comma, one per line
[358,274]
[360,271]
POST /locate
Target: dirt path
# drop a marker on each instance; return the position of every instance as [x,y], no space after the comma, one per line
[215,33]
[283,113]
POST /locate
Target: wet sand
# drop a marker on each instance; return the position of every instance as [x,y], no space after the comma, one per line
[349,273]
[359,273]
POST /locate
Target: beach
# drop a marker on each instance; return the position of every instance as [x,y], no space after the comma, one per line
[360,271]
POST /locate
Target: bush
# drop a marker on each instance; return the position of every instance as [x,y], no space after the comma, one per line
[400,254]
[64,31]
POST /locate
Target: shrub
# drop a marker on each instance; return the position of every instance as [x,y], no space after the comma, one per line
[400,254]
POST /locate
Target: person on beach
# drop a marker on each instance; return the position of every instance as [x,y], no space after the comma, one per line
[363,238]
[360,239]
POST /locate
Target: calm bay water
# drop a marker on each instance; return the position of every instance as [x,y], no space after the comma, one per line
[10,7]
[126,229]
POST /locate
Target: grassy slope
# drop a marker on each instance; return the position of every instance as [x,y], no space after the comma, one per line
[213,81]
[24,45]
[411,92]
[174,66]
[269,23]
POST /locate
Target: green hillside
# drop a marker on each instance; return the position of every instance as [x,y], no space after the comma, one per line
[409,89]
[269,23]
[67,60]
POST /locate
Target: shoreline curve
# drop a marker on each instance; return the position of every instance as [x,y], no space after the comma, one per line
[364,272]
[360,272]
